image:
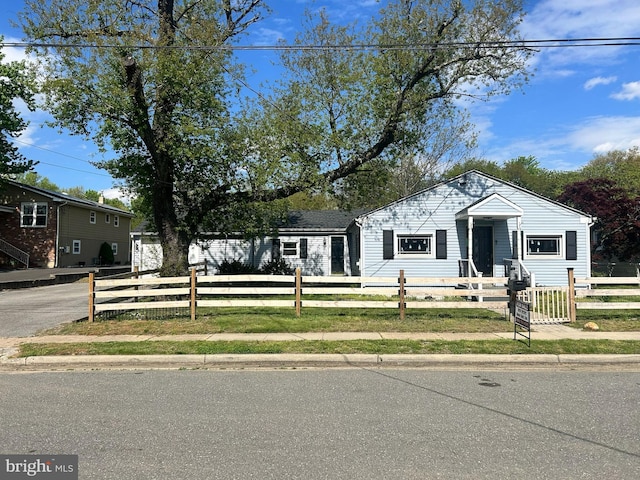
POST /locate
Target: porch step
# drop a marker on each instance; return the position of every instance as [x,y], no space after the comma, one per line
[14,252]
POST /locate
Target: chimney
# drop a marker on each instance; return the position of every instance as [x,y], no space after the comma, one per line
[100,199]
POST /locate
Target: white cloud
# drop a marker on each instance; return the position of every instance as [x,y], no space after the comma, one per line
[267,36]
[572,147]
[630,91]
[117,193]
[552,19]
[602,134]
[594,82]
[27,137]
[14,54]
[580,19]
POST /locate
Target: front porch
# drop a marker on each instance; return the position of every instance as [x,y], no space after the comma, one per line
[490,238]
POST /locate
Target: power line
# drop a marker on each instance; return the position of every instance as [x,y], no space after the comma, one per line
[541,43]
[33,145]
[73,169]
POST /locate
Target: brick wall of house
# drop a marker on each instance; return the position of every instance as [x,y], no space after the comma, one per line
[38,242]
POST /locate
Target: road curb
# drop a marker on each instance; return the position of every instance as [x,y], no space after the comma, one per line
[311,360]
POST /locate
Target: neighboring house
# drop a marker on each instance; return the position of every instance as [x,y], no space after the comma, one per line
[319,242]
[470,225]
[56,230]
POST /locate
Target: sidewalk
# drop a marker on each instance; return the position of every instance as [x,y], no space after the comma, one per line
[539,332]
[8,346]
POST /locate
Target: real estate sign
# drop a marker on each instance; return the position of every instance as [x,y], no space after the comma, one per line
[522,319]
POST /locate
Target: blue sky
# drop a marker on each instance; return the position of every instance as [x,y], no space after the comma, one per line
[579,103]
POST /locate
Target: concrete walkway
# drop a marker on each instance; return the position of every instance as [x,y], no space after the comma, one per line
[540,332]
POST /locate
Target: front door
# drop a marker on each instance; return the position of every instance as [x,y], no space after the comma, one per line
[337,255]
[483,249]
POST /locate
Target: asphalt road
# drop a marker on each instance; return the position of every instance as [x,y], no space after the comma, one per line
[328,424]
[25,311]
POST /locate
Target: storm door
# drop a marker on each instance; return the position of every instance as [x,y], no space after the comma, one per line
[483,249]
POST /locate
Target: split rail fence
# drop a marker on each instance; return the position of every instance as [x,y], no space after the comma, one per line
[144,292]
[188,294]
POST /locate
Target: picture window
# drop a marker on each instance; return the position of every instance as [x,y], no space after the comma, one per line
[415,244]
[544,245]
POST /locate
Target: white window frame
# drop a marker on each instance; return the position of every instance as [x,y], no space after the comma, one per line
[558,239]
[116,221]
[76,247]
[107,218]
[92,217]
[114,249]
[289,248]
[403,248]
[34,214]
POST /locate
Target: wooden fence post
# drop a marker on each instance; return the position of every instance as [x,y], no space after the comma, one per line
[136,275]
[92,296]
[193,301]
[401,293]
[298,292]
[572,296]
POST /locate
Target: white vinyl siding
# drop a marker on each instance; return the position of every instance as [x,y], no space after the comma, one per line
[435,209]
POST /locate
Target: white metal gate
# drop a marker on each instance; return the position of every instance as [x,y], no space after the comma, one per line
[548,304]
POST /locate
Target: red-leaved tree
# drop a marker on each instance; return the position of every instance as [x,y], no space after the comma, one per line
[617,226]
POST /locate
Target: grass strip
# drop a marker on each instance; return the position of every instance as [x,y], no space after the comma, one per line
[386,347]
[275,320]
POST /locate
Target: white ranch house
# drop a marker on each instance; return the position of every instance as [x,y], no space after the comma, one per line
[471,225]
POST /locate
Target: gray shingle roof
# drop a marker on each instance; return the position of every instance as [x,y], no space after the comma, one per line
[62,197]
[319,220]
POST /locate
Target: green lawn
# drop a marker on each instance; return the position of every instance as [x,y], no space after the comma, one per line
[342,347]
[273,320]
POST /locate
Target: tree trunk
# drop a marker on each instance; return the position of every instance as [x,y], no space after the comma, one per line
[175,253]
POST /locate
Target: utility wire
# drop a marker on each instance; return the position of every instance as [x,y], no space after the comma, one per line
[541,43]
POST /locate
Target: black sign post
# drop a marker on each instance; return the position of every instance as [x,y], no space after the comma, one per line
[522,321]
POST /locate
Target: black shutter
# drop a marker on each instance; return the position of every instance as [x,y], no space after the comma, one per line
[275,249]
[387,244]
[571,238]
[441,244]
[303,248]
[514,240]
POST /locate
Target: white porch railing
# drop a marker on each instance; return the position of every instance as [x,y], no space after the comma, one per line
[466,268]
[14,252]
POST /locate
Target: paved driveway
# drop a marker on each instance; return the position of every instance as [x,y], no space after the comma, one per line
[25,311]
